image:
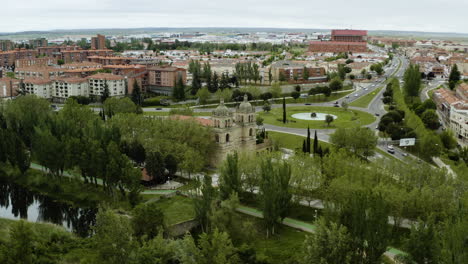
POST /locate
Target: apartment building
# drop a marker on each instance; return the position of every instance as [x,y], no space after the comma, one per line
[98,42]
[41,72]
[8,58]
[163,79]
[110,60]
[6,45]
[452,107]
[459,122]
[65,87]
[39,42]
[116,84]
[9,87]
[38,86]
[292,70]
[44,61]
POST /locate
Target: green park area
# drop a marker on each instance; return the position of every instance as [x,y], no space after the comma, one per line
[291,141]
[344,118]
[365,100]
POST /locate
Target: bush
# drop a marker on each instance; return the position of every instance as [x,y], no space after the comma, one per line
[154,101]
[453,156]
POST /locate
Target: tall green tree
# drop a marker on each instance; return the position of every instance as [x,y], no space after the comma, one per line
[284,110]
[21,246]
[147,221]
[305,74]
[136,94]
[330,243]
[454,76]
[113,238]
[179,89]
[230,180]
[203,206]
[274,193]
[105,93]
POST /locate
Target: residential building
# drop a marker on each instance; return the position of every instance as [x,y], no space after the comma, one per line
[6,45]
[38,86]
[115,83]
[98,42]
[42,72]
[452,107]
[9,87]
[40,42]
[459,122]
[43,61]
[8,58]
[63,88]
[163,79]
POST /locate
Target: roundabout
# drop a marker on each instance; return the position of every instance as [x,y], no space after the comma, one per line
[300,117]
[312,116]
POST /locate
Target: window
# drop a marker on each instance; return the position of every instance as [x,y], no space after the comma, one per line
[217,138]
[251,132]
[227,137]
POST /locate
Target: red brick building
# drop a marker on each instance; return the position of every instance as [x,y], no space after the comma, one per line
[98,42]
[8,58]
[337,47]
[9,87]
[347,35]
[342,41]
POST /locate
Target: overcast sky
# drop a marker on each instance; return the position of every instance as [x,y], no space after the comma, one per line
[411,15]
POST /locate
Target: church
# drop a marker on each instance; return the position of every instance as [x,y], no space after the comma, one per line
[233,131]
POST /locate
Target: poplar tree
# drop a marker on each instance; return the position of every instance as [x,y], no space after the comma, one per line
[284,110]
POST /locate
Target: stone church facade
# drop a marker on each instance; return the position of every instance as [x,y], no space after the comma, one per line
[234,131]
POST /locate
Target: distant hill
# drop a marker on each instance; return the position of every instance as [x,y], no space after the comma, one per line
[152,30]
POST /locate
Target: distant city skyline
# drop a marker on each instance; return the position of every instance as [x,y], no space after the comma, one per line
[398,15]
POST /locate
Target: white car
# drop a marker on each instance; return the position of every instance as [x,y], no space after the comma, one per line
[356,95]
[366,89]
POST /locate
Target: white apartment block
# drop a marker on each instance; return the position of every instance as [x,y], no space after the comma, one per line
[40,87]
[63,88]
[116,84]
[459,122]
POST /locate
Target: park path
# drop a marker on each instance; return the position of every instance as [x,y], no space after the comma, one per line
[293,223]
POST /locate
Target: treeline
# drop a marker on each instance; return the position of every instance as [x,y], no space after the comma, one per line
[111,147]
[73,139]
[209,47]
[359,197]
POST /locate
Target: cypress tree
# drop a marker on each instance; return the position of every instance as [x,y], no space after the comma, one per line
[304,148]
[308,140]
[284,110]
[315,142]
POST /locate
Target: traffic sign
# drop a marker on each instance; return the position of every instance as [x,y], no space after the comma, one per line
[405,142]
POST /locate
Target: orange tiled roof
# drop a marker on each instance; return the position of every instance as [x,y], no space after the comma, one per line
[105,76]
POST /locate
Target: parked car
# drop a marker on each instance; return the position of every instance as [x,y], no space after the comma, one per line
[158,109]
[307,103]
[391,151]
[356,95]
[377,114]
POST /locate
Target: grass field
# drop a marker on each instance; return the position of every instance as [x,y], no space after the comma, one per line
[291,141]
[366,99]
[284,247]
[177,209]
[167,113]
[349,118]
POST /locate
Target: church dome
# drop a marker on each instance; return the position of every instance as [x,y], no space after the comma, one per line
[245,106]
[221,110]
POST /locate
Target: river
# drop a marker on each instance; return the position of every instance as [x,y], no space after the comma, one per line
[17,202]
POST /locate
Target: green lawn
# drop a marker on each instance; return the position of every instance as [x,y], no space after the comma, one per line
[167,113]
[39,228]
[283,247]
[291,141]
[366,99]
[177,209]
[319,98]
[349,118]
